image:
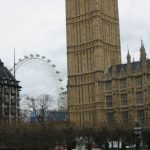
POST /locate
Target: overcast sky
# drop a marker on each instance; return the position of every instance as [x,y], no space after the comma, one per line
[134,25]
[38,26]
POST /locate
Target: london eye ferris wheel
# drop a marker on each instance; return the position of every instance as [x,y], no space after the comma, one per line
[38,76]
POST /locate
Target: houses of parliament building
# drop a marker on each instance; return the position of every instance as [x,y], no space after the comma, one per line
[102,90]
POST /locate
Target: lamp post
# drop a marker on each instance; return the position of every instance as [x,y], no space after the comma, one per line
[137,132]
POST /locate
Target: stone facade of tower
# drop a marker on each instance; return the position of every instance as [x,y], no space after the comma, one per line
[93,44]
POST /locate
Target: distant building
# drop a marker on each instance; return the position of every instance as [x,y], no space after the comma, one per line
[51,116]
[9,95]
[64,103]
[58,116]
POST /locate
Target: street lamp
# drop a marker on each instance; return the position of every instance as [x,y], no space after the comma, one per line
[137,132]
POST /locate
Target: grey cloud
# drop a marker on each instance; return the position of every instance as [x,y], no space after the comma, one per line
[38,26]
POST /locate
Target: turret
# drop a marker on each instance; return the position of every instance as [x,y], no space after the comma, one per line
[128,62]
[128,58]
[142,52]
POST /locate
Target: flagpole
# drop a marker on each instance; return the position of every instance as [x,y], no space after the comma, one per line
[14,62]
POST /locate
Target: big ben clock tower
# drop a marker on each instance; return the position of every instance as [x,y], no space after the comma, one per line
[93,44]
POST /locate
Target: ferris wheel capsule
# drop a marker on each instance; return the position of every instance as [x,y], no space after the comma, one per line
[60,80]
[43,57]
[37,55]
[57,72]
[62,88]
[25,57]
[53,65]
[31,55]
[48,60]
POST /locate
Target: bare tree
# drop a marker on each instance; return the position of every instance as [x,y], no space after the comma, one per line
[40,106]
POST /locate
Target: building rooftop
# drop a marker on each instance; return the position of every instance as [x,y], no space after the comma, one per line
[5,74]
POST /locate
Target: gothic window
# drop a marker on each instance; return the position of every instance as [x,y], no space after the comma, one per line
[109,101]
[122,84]
[125,116]
[140,116]
[108,85]
[81,79]
[124,100]
[138,81]
[139,98]
[110,117]
[75,80]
